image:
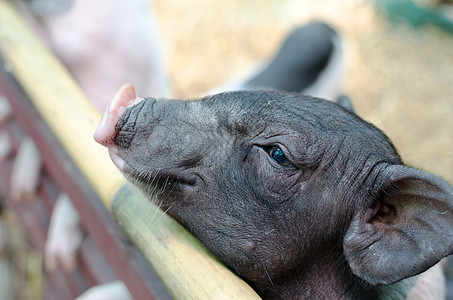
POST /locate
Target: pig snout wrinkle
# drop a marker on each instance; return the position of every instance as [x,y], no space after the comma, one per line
[125,126]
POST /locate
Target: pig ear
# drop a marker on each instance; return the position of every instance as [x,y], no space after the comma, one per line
[408,229]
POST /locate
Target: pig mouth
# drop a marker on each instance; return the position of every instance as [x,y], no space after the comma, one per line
[164,182]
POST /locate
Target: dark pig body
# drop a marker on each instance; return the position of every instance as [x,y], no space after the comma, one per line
[299,196]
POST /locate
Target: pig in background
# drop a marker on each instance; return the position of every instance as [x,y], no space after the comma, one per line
[103,43]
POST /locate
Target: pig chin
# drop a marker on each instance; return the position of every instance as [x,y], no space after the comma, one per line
[118,160]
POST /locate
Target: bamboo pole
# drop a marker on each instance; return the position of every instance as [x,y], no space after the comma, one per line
[59,100]
[187,269]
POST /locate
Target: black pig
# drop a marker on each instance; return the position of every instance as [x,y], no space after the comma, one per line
[300,197]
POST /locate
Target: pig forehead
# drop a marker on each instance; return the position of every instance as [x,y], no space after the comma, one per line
[269,105]
[253,111]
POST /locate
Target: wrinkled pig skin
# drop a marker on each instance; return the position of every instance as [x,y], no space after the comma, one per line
[300,197]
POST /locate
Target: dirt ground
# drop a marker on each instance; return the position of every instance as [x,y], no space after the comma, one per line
[399,78]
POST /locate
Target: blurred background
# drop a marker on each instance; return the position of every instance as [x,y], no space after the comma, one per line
[399,72]
[399,77]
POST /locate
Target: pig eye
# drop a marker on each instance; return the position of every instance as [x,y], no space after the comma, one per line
[277,154]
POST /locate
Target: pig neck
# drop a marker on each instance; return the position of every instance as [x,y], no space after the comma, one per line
[331,278]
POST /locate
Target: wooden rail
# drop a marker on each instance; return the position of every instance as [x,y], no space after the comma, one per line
[187,269]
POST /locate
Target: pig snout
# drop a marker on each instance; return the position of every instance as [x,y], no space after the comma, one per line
[144,151]
[106,131]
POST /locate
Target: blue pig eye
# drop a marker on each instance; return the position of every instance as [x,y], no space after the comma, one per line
[277,154]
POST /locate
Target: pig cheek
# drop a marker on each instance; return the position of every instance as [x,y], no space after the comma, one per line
[234,246]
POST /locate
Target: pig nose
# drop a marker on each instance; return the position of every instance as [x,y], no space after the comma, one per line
[124,97]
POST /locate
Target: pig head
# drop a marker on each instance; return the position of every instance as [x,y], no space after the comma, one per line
[297,195]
